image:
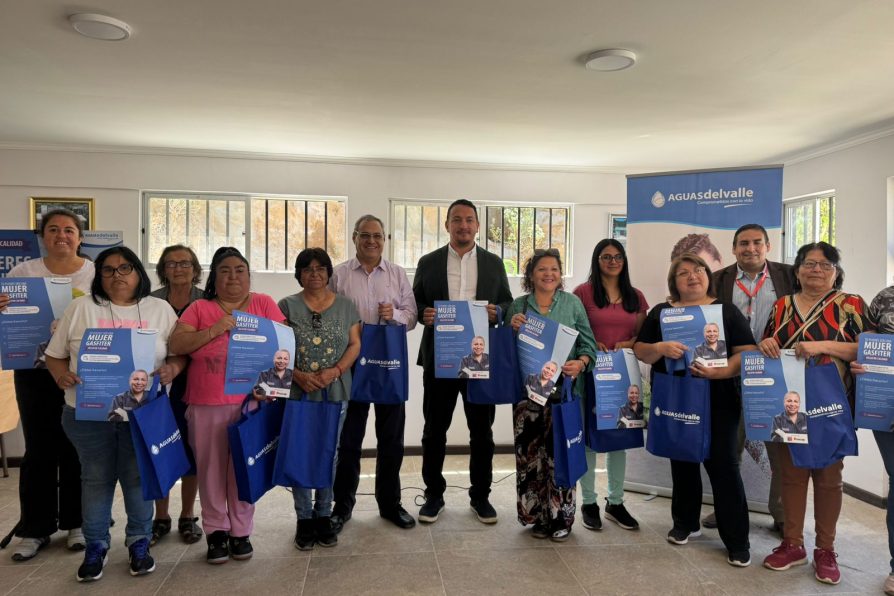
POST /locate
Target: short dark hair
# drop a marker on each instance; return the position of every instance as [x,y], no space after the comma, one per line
[696,260]
[751,226]
[220,254]
[464,203]
[61,211]
[96,290]
[695,243]
[830,252]
[308,255]
[531,263]
[196,266]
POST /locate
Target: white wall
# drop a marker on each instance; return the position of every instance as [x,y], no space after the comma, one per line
[116,180]
[864,196]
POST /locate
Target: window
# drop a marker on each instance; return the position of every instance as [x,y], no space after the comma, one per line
[269,231]
[617,228]
[510,231]
[808,219]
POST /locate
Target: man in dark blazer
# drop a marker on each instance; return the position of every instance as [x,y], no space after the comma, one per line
[461,270]
[753,284]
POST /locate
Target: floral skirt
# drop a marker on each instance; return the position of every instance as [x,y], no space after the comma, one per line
[539,499]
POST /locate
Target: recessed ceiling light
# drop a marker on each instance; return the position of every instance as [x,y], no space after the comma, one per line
[609,60]
[99,26]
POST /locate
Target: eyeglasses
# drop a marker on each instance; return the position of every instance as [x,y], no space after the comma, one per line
[610,258]
[122,270]
[825,266]
[367,236]
[546,252]
[313,270]
[178,264]
[695,272]
[316,320]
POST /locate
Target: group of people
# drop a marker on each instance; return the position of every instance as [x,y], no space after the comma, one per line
[765,305]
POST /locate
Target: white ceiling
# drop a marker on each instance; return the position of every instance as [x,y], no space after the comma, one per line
[718,83]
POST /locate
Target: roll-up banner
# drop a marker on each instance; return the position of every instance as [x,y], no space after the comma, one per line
[671,213]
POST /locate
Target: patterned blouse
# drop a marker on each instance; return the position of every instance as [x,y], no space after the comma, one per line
[843,318]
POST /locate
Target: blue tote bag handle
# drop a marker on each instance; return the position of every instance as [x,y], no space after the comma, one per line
[504,385]
[570,462]
[680,417]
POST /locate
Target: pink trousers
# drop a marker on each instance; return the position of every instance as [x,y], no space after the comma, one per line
[221,507]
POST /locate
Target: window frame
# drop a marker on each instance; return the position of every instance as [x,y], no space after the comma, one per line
[482,206]
[814,200]
[238,197]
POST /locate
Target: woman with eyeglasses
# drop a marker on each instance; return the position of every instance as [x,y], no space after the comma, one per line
[616,311]
[548,508]
[50,473]
[203,333]
[822,323]
[327,341]
[689,283]
[179,273]
[119,298]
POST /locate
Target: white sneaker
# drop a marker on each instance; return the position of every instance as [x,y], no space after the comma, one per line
[76,540]
[27,548]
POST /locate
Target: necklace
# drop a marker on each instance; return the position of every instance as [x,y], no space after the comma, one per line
[229,311]
[121,321]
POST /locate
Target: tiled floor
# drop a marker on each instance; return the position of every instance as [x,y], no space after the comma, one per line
[458,555]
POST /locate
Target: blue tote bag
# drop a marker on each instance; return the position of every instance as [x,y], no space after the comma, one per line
[381,371]
[680,420]
[570,462]
[161,455]
[504,385]
[830,423]
[603,441]
[307,444]
[254,441]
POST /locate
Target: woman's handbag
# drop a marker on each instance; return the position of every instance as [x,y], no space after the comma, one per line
[504,385]
[830,424]
[254,441]
[570,462]
[161,455]
[308,443]
[603,441]
[381,371]
[680,420]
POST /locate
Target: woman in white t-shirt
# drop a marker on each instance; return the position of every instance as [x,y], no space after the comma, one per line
[49,455]
[119,298]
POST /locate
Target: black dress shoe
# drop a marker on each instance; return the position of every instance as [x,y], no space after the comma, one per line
[338,521]
[399,517]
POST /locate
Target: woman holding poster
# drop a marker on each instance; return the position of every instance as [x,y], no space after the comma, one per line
[49,457]
[203,333]
[616,311]
[327,333]
[823,323]
[540,502]
[119,299]
[689,283]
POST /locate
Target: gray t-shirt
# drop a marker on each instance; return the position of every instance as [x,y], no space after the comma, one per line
[320,345]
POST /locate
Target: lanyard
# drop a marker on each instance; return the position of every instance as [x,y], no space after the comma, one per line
[757,288]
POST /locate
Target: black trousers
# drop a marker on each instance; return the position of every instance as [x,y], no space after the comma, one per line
[438,403]
[390,422]
[50,474]
[722,467]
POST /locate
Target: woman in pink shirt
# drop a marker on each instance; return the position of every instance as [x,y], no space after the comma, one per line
[616,311]
[203,334]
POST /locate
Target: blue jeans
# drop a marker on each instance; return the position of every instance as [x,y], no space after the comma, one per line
[309,502]
[107,456]
[885,441]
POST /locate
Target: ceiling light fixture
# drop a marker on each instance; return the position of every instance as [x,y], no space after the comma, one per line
[610,60]
[100,26]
